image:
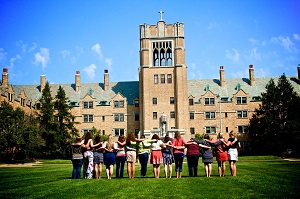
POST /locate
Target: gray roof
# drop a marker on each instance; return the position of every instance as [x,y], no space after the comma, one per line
[130,90]
[197,88]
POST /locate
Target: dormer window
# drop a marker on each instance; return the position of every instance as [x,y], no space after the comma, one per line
[89,104]
[10,97]
[119,104]
[241,100]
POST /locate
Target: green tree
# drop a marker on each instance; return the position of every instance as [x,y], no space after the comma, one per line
[15,129]
[65,122]
[48,126]
[277,118]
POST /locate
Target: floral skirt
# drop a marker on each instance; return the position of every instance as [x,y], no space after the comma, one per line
[156,157]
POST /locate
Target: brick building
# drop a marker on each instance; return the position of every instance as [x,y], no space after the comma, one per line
[162,101]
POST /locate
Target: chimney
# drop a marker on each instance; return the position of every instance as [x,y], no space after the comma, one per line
[298,73]
[42,82]
[5,77]
[77,81]
[106,80]
[222,76]
[251,75]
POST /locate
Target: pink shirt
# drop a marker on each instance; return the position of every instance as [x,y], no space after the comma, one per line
[179,142]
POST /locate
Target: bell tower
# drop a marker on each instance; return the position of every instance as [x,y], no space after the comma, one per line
[163,79]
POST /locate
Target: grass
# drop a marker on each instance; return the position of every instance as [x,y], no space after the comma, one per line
[257,177]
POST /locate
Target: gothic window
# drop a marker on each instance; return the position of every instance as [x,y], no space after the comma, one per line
[162,57]
[155,57]
[162,53]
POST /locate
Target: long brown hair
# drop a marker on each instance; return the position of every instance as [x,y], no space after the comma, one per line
[88,136]
[130,138]
[177,135]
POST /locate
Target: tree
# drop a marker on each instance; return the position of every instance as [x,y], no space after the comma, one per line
[65,127]
[15,129]
[277,118]
[47,123]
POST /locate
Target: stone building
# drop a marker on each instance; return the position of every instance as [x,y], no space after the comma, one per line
[162,101]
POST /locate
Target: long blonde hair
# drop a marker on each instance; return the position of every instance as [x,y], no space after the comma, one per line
[110,142]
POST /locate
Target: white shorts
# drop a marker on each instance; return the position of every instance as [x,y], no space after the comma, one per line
[233,154]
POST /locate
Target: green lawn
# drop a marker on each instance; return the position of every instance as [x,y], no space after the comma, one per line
[257,177]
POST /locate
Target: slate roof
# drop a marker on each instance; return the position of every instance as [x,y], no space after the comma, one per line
[130,89]
[197,88]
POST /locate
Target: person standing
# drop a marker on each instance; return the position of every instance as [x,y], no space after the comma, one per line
[109,156]
[120,156]
[168,158]
[192,156]
[77,157]
[233,146]
[156,155]
[98,157]
[131,154]
[178,145]
[207,155]
[143,150]
[88,156]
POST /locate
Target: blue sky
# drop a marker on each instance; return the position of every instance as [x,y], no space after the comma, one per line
[57,38]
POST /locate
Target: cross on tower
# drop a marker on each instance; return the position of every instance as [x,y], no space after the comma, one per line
[161,13]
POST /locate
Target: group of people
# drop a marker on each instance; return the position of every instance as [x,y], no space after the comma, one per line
[93,154]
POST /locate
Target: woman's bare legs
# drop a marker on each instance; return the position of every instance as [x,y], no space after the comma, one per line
[233,168]
[223,168]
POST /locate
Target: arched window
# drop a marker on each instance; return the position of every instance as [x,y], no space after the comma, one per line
[162,53]
[155,58]
[162,57]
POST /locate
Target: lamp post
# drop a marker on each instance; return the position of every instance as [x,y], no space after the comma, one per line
[220,111]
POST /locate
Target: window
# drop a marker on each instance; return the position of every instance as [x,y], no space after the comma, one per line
[192,130]
[241,100]
[103,132]
[210,115]
[169,78]
[162,78]
[192,115]
[119,104]
[162,53]
[191,102]
[136,116]
[209,101]
[119,132]
[172,114]
[88,118]
[210,129]
[38,106]
[242,114]
[154,100]
[119,117]
[155,79]
[243,129]
[226,129]
[226,115]
[103,118]
[88,104]
[22,102]
[10,97]
[136,103]
[172,100]
[154,115]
